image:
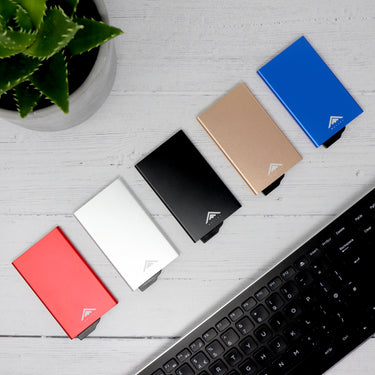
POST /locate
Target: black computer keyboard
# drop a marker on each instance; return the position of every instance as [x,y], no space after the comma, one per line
[301,317]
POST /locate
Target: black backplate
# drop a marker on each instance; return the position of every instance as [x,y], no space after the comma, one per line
[188,186]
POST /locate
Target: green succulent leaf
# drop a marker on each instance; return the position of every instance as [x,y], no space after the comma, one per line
[56,31]
[35,8]
[13,42]
[52,81]
[27,97]
[72,4]
[16,69]
[93,34]
[7,10]
[2,23]
[23,19]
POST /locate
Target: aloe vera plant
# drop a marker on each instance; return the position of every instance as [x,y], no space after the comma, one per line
[38,38]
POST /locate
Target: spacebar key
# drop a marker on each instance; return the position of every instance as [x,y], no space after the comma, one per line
[185,370]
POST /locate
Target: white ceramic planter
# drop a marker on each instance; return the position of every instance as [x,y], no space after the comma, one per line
[85,101]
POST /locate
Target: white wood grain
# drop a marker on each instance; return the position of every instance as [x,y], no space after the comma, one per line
[175,59]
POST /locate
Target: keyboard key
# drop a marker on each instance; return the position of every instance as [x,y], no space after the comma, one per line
[196,345]
[301,263]
[233,357]
[234,372]
[319,266]
[248,367]
[309,298]
[263,356]
[248,345]
[215,349]
[209,335]
[369,231]
[262,294]
[314,253]
[340,230]
[293,310]
[358,218]
[245,326]
[218,368]
[304,279]
[223,324]
[311,341]
[185,370]
[292,333]
[158,372]
[278,321]
[308,320]
[281,363]
[288,273]
[289,290]
[327,241]
[200,361]
[183,355]
[170,365]
[347,245]
[230,337]
[259,314]
[274,302]
[296,353]
[249,304]
[275,283]
[325,285]
[278,345]
[235,314]
[263,333]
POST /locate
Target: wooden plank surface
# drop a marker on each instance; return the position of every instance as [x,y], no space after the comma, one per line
[175,59]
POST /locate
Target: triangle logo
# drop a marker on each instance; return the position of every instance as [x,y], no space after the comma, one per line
[148,264]
[333,120]
[86,312]
[273,167]
[211,215]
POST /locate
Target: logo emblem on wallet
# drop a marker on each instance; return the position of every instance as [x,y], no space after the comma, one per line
[273,167]
[148,264]
[86,312]
[333,120]
[211,215]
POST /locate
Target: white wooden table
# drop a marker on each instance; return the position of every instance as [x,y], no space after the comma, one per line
[176,58]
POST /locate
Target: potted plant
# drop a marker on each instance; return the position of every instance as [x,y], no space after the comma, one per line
[52,70]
